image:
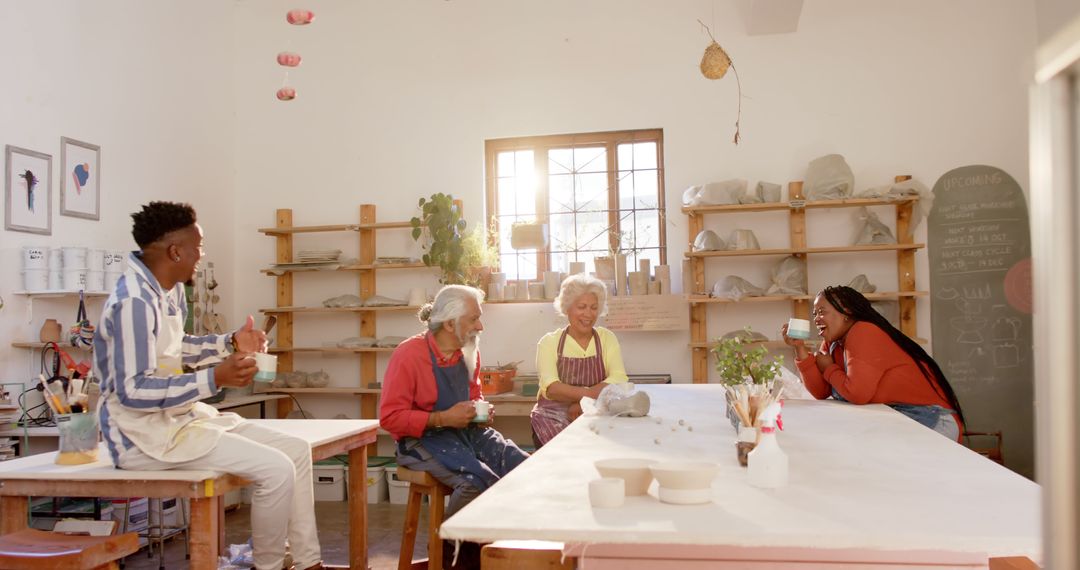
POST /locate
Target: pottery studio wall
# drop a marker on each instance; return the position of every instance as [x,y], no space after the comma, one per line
[147,82]
[396,99]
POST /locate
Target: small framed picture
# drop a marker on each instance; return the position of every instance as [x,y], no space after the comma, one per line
[80,179]
[27,191]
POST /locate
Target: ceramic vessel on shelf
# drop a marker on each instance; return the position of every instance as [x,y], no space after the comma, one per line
[50,331]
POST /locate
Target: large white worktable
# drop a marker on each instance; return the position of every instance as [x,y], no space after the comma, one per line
[38,475]
[867,486]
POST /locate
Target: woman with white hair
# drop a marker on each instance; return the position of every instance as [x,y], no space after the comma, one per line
[577,361]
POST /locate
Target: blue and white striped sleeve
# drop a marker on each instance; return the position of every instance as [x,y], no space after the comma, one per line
[203,350]
[131,362]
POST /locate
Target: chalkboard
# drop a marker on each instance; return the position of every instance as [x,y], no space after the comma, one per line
[647,313]
[980,283]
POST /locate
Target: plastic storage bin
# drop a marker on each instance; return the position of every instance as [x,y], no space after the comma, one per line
[377,489]
[399,490]
[329,478]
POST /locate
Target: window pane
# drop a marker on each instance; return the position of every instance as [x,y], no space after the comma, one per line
[590,159]
[584,230]
[563,232]
[592,230]
[646,189]
[560,161]
[561,193]
[514,199]
[592,192]
[647,228]
[505,164]
[644,156]
[625,182]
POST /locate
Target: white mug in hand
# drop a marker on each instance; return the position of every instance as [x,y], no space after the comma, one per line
[267,364]
[483,409]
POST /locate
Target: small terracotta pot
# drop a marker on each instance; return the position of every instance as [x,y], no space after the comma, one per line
[50,331]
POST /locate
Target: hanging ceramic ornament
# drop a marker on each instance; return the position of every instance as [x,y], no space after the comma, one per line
[300,17]
[286,94]
[288,59]
[714,65]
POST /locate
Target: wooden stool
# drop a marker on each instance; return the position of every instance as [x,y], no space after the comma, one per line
[421,483]
[31,549]
[524,555]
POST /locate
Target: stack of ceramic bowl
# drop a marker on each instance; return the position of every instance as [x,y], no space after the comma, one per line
[115,262]
[685,482]
[35,268]
[75,268]
[56,269]
[95,270]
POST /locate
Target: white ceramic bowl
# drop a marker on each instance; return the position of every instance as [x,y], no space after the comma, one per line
[686,475]
[632,470]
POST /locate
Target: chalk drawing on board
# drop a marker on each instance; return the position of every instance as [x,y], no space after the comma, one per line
[978,249]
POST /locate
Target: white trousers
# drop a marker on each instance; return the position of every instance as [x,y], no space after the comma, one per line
[283,504]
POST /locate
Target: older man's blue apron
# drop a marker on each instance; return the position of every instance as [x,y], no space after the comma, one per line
[459,449]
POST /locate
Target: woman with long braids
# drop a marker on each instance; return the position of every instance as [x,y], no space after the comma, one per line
[863,359]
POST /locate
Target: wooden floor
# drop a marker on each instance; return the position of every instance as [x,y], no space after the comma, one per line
[384,536]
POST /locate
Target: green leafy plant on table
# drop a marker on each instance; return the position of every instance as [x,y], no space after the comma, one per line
[737,363]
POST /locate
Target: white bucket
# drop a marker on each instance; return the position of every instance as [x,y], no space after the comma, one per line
[56,279]
[35,279]
[35,257]
[74,279]
[115,261]
[74,258]
[56,260]
[95,280]
[95,260]
[110,281]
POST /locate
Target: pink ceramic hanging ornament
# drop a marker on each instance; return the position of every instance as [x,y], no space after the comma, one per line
[300,17]
[286,94]
[289,59]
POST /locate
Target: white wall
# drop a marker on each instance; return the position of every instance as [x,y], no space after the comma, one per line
[397,98]
[150,82]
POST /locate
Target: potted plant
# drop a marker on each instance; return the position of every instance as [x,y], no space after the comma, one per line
[739,364]
[480,255]
[440,220]
[748,377]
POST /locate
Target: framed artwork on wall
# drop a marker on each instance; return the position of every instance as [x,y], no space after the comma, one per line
[27,191]
[80,179]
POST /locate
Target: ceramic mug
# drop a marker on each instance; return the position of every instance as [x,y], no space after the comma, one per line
[483,409]
[267,364]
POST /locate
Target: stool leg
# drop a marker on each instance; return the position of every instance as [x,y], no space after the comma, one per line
[435,516]
[412,524]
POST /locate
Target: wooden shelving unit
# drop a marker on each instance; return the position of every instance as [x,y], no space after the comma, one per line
[286,311]
[905,293]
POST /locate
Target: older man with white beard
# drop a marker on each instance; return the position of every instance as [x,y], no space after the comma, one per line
[427,401]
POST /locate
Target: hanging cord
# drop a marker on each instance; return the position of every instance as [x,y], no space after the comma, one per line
[738,83]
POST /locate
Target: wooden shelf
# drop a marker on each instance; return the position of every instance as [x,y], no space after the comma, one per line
[327,390]
[324,310]
[807,250]
[796,210]
[366,267]
[287,230]
[807,204]
[57,294]
[414,265]
[340,350]
[882,296]
[769,344]
[43,344]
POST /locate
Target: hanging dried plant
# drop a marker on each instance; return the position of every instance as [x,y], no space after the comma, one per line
[714,65]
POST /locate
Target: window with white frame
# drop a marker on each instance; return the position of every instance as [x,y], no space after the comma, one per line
[596,193]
